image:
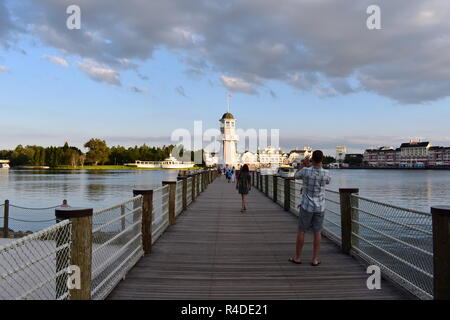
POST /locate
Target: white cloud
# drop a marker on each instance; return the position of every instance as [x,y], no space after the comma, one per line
[237,85]
[57,60]
[99,73]
[255,42]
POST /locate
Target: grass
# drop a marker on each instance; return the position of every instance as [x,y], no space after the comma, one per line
[114,167]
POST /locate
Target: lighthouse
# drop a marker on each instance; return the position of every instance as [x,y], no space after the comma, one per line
[229,139]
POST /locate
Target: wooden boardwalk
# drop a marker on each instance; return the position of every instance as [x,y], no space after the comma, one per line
[216,252]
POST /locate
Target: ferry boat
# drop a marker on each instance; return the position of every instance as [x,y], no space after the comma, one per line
[168,163]
[173,163]
[4,164]
[286,172]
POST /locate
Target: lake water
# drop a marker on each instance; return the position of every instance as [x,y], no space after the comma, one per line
[98,189]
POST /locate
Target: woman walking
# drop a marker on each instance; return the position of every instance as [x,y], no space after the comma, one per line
[244,185]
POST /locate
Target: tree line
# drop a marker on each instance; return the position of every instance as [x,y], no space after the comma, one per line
[99,153]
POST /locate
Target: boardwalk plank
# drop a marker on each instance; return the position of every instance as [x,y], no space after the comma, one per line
[216,252]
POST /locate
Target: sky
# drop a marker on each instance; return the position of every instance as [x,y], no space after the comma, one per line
[137,70]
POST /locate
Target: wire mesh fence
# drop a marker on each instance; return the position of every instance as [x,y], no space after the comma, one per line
[270,187]
[332,219]
[179,198]
[189,191]
[280,191]
[117,244]
[35,267]
[397,239]
[160,220]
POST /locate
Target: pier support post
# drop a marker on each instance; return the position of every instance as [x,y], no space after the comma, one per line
[6,220]
[287,193]
[275,188]
[441,252]
[266,182]
[80,250]
[172,199]
[258,180]
[345,195]
[147,217]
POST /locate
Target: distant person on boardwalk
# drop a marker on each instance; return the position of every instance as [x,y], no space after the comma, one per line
[233,174]
[228,174]
[312,207]
[244,185]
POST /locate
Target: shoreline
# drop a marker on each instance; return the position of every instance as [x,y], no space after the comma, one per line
[105,167]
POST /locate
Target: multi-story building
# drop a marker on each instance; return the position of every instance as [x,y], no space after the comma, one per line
[271,157]
[296,156]
[414,154]
[410,154]
[341,151]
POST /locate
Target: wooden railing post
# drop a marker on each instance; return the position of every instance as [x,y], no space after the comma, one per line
[172,199]
[345,195]
[6,220]
[275,188]
[80,250]
[147,218]
[441,252]
[287,193]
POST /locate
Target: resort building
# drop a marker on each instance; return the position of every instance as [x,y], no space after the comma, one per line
[408,155]
[298,155]
[271,157]
[341,151]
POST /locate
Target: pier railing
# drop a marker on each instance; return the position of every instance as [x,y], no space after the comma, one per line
[86,254]
[32,267]
[412,248]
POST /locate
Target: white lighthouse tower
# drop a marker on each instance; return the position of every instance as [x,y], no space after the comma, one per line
[229,139]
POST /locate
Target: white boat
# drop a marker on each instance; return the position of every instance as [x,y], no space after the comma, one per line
[144,164]
[173,163]
[4,164]
[286,172]
[168,163]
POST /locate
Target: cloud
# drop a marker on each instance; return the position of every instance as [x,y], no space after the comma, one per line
[180,91]
[237,85]
[57,60]
[315,46]
[139,90]
[100,73]
[3,69]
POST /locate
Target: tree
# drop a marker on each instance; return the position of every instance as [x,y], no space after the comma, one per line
[98,151]
[328,159]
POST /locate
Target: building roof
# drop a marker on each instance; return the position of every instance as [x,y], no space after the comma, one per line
[415,145]
[227,115]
